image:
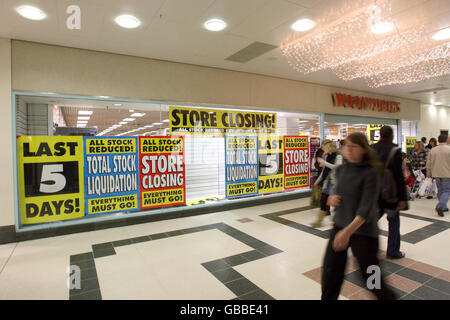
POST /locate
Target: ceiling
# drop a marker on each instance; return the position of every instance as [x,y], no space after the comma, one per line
[173,30]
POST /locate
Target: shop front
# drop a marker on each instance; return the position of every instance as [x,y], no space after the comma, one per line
[180,140]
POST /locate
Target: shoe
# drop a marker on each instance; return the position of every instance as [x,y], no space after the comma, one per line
[440,212]
[399,255]
[445,210]
[318,222]
[429,197]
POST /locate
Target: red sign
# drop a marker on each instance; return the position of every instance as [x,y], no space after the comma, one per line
[161,172]
[364,103]
[296,162]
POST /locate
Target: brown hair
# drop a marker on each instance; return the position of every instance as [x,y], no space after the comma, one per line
[370,157]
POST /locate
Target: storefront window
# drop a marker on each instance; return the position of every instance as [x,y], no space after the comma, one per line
[409,135]
[81,158]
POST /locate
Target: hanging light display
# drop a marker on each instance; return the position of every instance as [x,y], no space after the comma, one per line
[363,44]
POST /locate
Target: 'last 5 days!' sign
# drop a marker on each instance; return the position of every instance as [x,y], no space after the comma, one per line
[162,171]
[241,166]
[296,162]
[111,175]
[270,160]
[51,178]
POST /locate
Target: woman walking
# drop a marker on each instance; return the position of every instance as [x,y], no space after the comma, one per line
[327,178]
[355,222]
[419,157]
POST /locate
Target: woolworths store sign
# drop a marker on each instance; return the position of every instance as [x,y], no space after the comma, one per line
[364,103]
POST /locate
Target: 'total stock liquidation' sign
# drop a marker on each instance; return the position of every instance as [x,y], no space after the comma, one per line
[214,121]
[111,175]
[50,178]
[241,166]
[270,158]
[162,172]
[296,162]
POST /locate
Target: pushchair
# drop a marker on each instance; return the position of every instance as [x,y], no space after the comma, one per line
[419,178]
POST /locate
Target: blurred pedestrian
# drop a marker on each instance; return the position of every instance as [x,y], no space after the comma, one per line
[327,178]
[355,222]
[438,167]
[391,156]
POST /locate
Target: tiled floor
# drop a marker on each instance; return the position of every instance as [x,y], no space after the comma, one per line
[265,252]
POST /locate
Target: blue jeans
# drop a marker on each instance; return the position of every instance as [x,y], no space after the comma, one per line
[443,185]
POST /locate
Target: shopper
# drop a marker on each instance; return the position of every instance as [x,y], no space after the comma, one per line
[385,151]
[355,222]
[438,167]
[431,144]
[419,157]
[327,178]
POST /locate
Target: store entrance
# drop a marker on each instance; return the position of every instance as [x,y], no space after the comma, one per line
[338,128]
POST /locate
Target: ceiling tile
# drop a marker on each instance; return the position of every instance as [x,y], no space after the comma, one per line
[306,3]
[186,12]
[267,18]
[232,11]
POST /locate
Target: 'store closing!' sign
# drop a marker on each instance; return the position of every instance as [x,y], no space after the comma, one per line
[296,162]
[51,178]
[161,171]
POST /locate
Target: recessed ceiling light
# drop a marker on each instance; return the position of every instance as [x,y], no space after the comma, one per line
[124,122]
[127,21]
[444,34]
[137,115]
[84,118]
[382,27]
[31,12]
[303,25]
[150,126]
[86,113]
[157,123]
[215,25]
[438,104]
[117,104]
[129,119]
[131,110]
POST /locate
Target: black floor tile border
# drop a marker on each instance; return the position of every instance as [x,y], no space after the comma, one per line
[412,237]
[432,288]
[222,268]
[8,233]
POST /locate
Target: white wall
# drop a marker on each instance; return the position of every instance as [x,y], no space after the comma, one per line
[432,120]
[6,160]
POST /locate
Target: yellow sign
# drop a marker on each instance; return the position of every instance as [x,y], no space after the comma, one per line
[410,142]
[270,158]
[109,204]
[297,181]
[214,121]
[373,130]
[51,178]
[158,145]
[100,146]
[242,188]
[204,200]
[162,198]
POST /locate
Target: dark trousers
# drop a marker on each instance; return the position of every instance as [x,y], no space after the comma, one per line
[365,250]
[323,202]
[394,238]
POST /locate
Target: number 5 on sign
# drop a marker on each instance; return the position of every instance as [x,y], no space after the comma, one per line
[52,173]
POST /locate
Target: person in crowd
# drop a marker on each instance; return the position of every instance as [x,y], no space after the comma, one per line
[438,167]
[383,149]
[327,178]
[319,154]
[355,197]
[407,174]
[424,140]
[419,157]
[431,144]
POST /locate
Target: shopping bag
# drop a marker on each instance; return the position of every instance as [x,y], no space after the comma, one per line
[420,177]
[316,193]
[430,191]
[426,186]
